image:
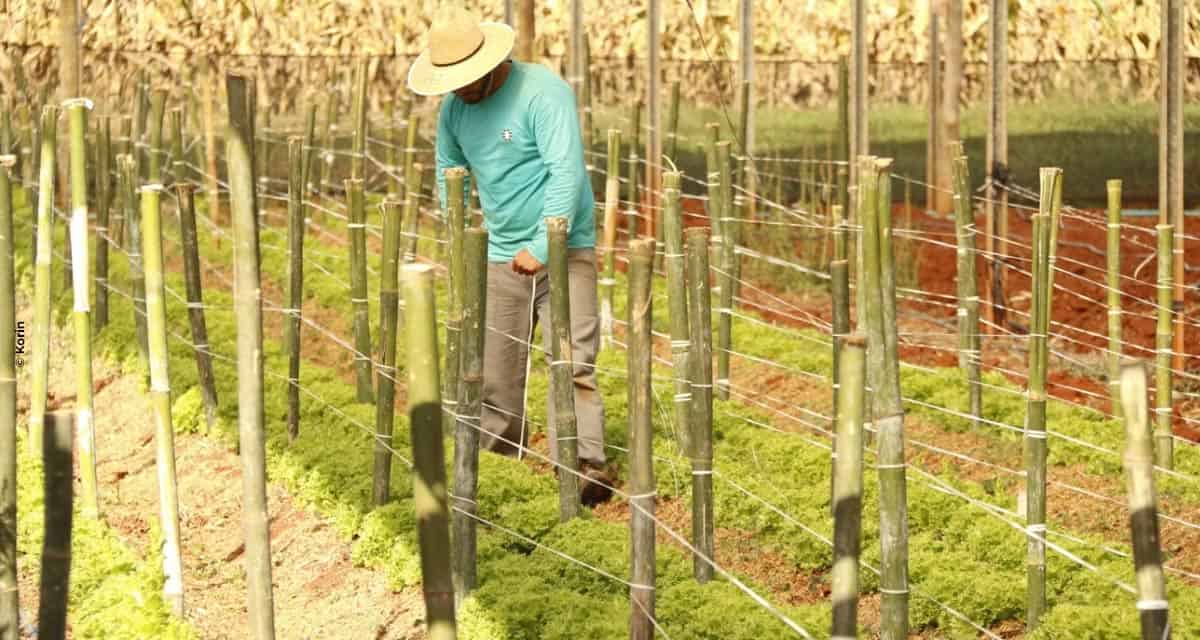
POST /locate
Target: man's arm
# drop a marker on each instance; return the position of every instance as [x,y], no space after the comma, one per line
[556,129]
[448,154]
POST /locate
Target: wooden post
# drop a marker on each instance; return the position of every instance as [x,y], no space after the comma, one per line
[1171,162]
[526,30]
[41,278]
[673,123]
[562,375]
[654,148]
[429,484]
[9,602]
[160,398]
[848,486]
[676,266]
[997,160]
[56,543]
[127,170]
[1035,421]
[700,414]
[634,194]
[470,407]
[213,193]
[951,96]
[933,146]
[968,293]
[77,116]
[455,179]
[1163,413]
[641,440]
[409,225]
[195,300]
[715,187]
[859,145]
[725,277]
[746,176]
[839,276]
[1143,505]
[358,290]
[612,201]
[297,189]
[389,306]
[239,146]
[1114,295]
[103,202]
[330,142]
[745,79]
[358,155]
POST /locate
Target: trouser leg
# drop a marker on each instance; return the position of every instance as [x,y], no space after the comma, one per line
[585,344]
[509,297]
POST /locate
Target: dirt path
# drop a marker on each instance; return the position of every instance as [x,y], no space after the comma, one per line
[319,593]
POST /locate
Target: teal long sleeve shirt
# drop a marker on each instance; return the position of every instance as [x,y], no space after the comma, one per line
[524,150]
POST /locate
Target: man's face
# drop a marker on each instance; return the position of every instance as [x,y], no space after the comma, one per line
[476,91]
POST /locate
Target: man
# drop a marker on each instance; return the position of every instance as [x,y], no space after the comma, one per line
[514,126]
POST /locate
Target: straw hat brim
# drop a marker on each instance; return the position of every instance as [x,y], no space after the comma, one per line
[427,79]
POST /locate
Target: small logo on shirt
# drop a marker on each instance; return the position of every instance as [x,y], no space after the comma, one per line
[507,135]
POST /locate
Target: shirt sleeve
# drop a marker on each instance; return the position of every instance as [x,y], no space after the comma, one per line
[448,154]
[560,143]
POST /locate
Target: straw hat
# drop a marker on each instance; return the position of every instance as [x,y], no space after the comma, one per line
[461,50]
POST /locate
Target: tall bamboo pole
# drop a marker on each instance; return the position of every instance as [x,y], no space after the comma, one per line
[127,170]
[714,185]
[654,147]
[160,398]
[358,155]
[470,407]
[239,146]
[408,241]
[526,29]
[641,440]
[9,602]
[839,275]
[562,375]
[747,176]
[696,240]
[295,239]
[997,158]
[673,123]
[156,152]
[195,300]
[858,86]
[212,189]
[968,293]
[455,178]
[1171,128]
[69,68]
[951,97]
[1143,505]
[848,487]
[677,305]
[389,306]
[103,203]
[330,141]
[358,289]
[612,201]
[41,277]
[1114,295]
[1035,422]
[585,119]
[429,482]
[933,148]
[56,542]
[1163,439]
[86,436]
[725,277]
[178,163]
[634,194]
[887,410]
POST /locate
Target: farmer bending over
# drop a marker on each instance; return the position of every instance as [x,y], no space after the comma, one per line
[514,126]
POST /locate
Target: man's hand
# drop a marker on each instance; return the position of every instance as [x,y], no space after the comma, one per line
[525,264]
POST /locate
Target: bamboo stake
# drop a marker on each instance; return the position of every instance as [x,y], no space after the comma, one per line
[160,398]
[239,141]
[839,275]
[968,291]
[848,487]
[207,99]
[86,436]
[887,411]
[358,289]
[1143,504]
[997,157]
[634,194]
[117,226]
[331,113]
[470,408]
[641,434]
[127,169]
[56,542]
[1035,427]
[358,157]
[295,238]
[1114,295]
[178,164]
[41,278]
[562,374]
[195,299]
[413,185]
[673,123]
[103,203]
[677,305]
[389,305]
[586,92]
[9,601]
[455,178]
[934,103]
[700,414]
[714,184]
[1173,76]
[612,201]
[747,176]
[1163,440]
[725,275]
[309,153]
[156,152]
[425,417]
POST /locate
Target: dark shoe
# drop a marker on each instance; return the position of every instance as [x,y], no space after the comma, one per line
[597,486]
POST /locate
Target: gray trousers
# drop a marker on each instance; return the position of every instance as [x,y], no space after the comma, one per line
[509,299]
